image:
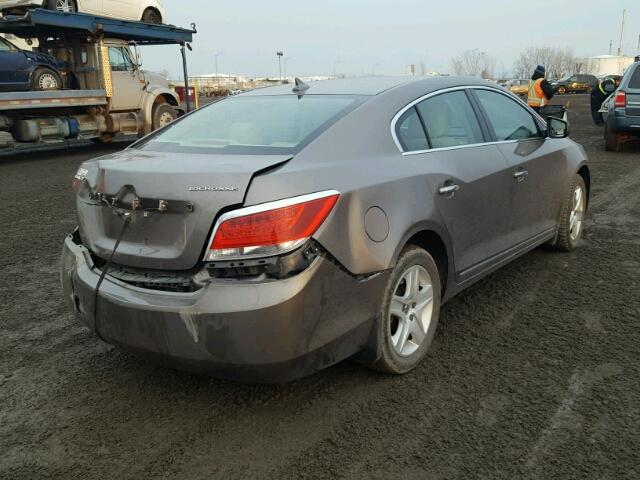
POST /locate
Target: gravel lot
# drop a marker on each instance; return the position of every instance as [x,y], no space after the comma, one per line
[534,373]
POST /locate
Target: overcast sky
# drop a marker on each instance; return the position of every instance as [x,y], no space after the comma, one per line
[356,37]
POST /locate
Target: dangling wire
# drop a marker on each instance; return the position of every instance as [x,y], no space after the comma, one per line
[126,221]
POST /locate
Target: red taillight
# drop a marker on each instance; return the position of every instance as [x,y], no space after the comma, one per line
[620,99]
[272,228]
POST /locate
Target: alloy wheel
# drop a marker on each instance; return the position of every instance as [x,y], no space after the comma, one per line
[411,310]
[576,216]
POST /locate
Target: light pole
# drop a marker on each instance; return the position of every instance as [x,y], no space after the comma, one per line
[286,59]
[215,57]
[280,53]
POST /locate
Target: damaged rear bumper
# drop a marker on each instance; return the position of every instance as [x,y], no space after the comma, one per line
[267,331]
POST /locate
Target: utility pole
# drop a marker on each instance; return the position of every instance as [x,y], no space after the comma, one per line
[610,46]
[280,53]
[624,13]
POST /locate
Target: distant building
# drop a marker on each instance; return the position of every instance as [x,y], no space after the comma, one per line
[601,65]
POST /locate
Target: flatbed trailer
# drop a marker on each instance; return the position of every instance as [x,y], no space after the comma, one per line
[111,99]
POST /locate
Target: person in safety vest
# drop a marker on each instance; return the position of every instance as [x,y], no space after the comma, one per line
[540,91]
[599,94]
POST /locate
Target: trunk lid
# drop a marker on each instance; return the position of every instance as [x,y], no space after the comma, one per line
[173,240]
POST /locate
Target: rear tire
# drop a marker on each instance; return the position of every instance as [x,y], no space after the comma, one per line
[151,15]
[574,209]
[409,314]
[611,139]
[46,79]
[163,115]
[62,5]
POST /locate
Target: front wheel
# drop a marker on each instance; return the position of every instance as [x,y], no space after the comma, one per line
[45,79]
[62,5]
[163,115]
[409,315]
[572,218]
[562,90]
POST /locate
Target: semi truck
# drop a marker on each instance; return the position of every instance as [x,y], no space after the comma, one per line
[112,94]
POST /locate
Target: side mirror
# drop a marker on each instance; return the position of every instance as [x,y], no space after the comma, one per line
[557,128]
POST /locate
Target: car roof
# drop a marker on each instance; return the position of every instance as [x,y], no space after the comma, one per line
[370,85]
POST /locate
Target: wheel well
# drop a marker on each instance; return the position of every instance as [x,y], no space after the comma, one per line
[586,176]
[432,243]
[164,98]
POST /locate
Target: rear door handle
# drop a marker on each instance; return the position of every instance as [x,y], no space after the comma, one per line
[448,190]
[520,175]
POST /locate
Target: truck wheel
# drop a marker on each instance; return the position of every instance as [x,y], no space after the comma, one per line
[611,139]
[163,115]
[409,314]
[562,90]
[151,15]
[45,79]
[62,5]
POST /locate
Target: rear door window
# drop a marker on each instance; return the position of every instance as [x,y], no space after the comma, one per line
[509,120]
[450,120]
[410,132]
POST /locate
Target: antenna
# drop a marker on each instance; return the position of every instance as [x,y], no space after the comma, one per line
[624,13]
[300,88]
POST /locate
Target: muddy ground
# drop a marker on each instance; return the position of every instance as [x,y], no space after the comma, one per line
[534,373]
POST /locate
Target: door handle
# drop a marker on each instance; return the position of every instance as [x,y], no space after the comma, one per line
[520,175]
[448,190]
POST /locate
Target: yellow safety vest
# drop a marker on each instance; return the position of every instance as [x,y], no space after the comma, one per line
[536,97]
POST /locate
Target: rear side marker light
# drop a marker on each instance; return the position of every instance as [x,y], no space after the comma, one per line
[620,99]
[271,228]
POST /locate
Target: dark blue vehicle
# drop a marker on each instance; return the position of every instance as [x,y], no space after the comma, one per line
[27,70]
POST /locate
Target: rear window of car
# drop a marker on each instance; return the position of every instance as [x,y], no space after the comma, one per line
[634,81]
[276,124]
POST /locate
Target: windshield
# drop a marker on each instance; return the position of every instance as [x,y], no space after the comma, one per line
[278,124]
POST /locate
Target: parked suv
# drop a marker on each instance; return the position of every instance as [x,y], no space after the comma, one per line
[578,83]
[623,111]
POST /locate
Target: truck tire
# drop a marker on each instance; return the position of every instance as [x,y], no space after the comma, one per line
[562,90]
[611,139]
[62,5]
[163,115]
[46,79]
[151,15]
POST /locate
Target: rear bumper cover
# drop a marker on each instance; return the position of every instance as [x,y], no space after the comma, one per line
[271,331]
[625,124]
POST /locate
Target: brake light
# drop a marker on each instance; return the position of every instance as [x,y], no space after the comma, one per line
[271,228]
[620,99]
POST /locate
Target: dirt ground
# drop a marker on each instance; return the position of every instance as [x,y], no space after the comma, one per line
[534,373]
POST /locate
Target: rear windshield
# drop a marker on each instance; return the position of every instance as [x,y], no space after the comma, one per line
[634,81]
[278,124]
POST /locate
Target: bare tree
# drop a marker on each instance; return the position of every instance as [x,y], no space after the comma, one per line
[557,61]
[474,63]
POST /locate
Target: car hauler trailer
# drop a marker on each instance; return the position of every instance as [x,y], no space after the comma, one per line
[113,94]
